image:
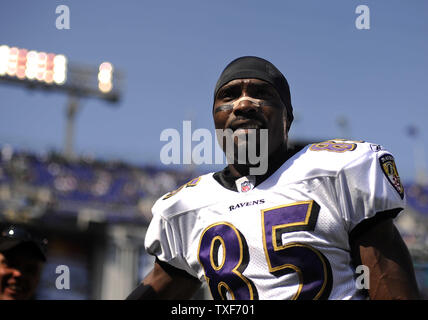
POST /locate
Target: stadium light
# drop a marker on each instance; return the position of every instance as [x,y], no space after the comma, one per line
[4,57]
[42,70]
[105,77]
[39,69]
[59,69]
[12,61]
[31,65]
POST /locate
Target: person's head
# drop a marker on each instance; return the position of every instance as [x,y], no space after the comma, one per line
[252,93]
[22,256]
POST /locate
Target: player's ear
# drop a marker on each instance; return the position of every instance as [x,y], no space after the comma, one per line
[286,124]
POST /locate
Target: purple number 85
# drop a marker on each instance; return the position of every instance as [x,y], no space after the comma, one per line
[311,265]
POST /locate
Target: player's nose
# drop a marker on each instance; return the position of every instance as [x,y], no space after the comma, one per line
[12,272]
[244,106]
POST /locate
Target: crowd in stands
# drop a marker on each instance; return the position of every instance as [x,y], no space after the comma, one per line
[83,183]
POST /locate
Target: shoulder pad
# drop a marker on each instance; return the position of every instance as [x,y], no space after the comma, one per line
[190,196]
[329,157]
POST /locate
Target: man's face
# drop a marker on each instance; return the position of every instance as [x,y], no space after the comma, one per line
[244,104]
[20,272]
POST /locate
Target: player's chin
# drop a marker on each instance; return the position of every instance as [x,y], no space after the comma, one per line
[15,293]
[8,295]
[245,153]
[250,135]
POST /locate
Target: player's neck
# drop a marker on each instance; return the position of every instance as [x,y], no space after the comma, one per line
[275,160]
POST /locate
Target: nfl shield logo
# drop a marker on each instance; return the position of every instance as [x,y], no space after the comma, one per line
[245,186]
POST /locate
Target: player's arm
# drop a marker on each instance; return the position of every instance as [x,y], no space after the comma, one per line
[165,282]
[379,246]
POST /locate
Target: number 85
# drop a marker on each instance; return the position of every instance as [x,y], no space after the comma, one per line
[225,276]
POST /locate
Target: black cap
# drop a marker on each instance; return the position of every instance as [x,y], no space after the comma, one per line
[13,236]
[258,68]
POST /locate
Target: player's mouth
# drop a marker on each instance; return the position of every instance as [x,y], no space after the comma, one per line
[14,289]
[246,125]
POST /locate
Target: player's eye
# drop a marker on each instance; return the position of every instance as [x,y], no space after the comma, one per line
[262,93]
[227,94]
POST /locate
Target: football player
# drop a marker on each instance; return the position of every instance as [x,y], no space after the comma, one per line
[299,230]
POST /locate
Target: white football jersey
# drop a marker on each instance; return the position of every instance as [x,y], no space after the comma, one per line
[286,238]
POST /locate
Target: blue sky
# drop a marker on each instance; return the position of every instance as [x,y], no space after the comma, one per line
[172,53]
